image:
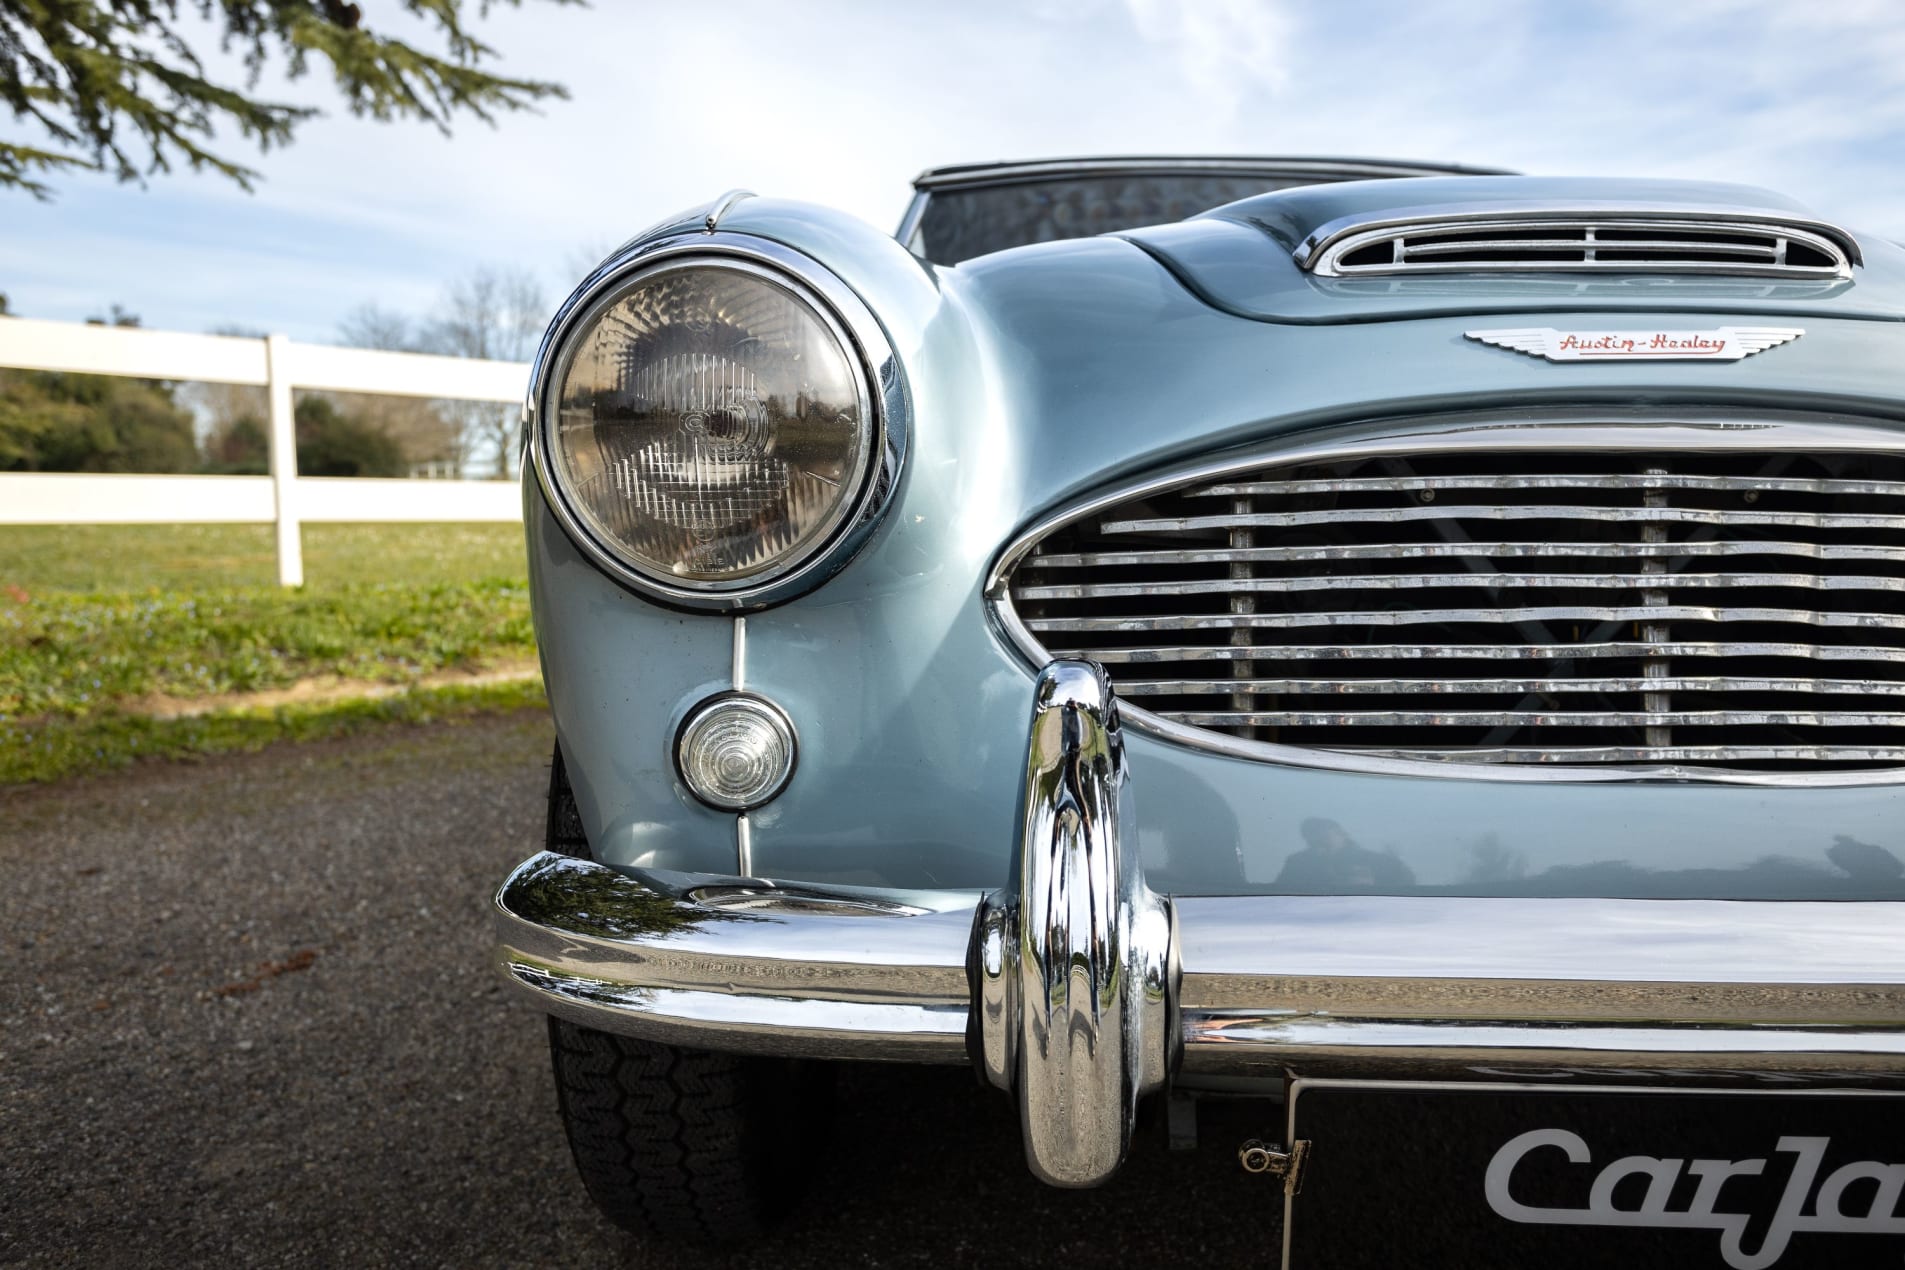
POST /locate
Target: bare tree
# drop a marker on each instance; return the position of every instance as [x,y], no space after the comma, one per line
[371,325]
[497,313]
[218,408]
[430,434]
[586,255]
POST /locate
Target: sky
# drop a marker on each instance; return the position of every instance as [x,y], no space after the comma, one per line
[843,101]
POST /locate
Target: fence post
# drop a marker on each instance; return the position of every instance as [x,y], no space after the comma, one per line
[284,460]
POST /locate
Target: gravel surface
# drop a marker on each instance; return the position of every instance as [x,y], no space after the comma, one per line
[247,1018]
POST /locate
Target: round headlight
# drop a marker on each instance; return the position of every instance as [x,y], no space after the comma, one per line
[709,425]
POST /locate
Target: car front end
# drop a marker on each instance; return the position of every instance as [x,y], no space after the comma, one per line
[1440,635]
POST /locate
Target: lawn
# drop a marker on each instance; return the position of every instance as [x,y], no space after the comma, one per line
[195,557]
[118,642]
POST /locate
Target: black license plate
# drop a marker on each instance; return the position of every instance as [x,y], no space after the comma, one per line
[1552,1178]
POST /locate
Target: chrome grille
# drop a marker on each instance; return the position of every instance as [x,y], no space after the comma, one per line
[1743,610]
[1631,245]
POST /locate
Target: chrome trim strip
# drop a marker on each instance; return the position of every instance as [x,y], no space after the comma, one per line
[1614,430]
[886,405]
[1559,480]
[1640,754]
[1464,550]
[1433,247]
[1418,617]
[1500,581]
[1461,687]
[908,231]
[721,206]
[974,175]
[737,679]
[1518,511]
[1559,718]
[1487,652]
[1421,617]
[1322,247]
[1273,1044]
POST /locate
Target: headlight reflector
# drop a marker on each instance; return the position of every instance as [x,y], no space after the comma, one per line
[711,426]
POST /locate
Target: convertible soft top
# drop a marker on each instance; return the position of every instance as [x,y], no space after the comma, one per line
[1011,171]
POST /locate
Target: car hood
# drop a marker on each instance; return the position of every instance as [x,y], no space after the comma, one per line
[1242,258]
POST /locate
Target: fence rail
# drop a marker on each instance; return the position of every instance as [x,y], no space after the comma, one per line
[279,366]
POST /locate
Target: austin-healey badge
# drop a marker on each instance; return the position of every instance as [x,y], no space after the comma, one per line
[1727,344]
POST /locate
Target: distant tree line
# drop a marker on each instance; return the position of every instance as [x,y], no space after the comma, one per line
[56,422]
[494,312]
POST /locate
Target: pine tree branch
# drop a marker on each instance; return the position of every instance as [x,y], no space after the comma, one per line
[117,88]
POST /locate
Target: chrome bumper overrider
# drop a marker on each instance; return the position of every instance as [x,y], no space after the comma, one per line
[1078,989]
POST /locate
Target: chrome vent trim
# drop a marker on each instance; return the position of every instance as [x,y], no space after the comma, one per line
[1612,239]
[1634,636]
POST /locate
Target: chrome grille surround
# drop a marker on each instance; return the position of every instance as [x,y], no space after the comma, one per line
[1651,579]
[1623,239]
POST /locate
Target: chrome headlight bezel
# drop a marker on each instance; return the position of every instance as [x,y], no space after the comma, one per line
[884,406]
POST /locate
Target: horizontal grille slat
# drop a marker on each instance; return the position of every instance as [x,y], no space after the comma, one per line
[1889,755]
[1491,581]
[1515,607]
[1645,242]
[1498,687]
[1473,550]
[1554,480]
[1760,250]
[1477,511]
[1476,652]
[1472,617]
[1529,718]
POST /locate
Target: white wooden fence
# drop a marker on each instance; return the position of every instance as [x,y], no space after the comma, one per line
[277,365]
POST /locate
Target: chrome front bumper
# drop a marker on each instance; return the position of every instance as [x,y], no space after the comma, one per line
[1078,989]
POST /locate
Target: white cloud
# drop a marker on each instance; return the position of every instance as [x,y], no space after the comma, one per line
[842,101]
[1225,48]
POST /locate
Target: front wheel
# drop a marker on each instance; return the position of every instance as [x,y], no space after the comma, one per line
[685,1144]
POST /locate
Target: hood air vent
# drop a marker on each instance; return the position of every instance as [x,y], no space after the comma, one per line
[1520,241]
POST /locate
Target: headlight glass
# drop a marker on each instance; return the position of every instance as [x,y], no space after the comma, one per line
[712,427]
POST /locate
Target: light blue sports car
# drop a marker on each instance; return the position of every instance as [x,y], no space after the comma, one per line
[1421,645]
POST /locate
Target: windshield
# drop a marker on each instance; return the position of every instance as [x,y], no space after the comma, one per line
[958,224]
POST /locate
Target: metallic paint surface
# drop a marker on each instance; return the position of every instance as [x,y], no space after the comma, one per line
[1040,375]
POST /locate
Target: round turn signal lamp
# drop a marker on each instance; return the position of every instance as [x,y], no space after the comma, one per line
[736,751]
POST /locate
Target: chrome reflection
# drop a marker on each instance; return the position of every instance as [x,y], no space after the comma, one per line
[792,977]
[1072,972]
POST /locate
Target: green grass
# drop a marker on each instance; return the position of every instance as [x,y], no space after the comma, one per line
[63,746]
[191,557]
[73,653]
[97,620]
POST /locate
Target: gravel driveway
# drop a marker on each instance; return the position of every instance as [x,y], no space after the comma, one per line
[246,1018]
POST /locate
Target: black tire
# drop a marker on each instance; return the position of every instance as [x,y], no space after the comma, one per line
[562,832]
[674,1143]
[682,1144]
